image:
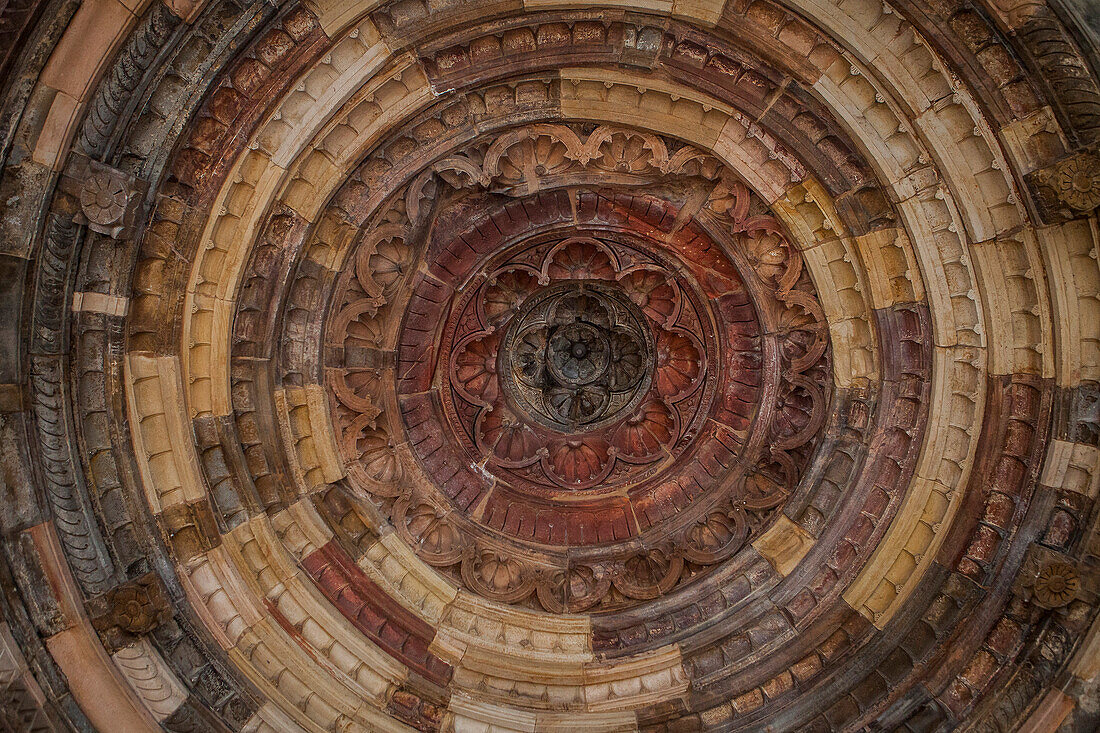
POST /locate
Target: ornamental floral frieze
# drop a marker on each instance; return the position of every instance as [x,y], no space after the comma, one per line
[575,371]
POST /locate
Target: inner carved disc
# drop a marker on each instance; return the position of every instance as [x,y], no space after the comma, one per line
[576,355]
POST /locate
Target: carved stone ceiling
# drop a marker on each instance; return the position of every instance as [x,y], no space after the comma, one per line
[485,365]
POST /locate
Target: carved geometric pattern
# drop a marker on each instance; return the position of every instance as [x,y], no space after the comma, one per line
[465,366]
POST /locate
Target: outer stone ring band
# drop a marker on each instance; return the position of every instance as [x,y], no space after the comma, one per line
[453,366]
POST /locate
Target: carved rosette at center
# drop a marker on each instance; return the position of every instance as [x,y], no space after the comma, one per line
[572,398]
[576,356]
[577,364]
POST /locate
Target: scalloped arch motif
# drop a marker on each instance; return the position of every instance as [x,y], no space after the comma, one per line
[664,366]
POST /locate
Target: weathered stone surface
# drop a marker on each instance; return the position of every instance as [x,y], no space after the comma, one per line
[453,366]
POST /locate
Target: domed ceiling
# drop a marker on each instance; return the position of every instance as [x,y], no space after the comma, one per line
[487,365]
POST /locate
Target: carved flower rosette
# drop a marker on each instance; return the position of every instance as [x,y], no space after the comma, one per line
[575,402]
[575,363]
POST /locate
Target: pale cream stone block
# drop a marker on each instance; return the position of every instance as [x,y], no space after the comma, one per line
[1014,297]
[475,716]
[230,234]
[373,109]
[746,155]
[220,596]
[473,624]
[269,719]
[959,381]
[617,722]
[890,265]
[206,331]
[943,469]
[644,679]
[905,553]
[336,15]
[662,107]
[110,305]
[885,43]
[784,545]
[703,12]
[961,145]
[937,233]
[1073,270]
[1035,141]
[1072,467]
[274,575]
[57,131]
[371,53]
[297,424]
[1056,463]
[862,106]
[505,680]
[657,7]
[392,564]
[290,679]
[324,436]
[147,673]
[301,528]
[162,438]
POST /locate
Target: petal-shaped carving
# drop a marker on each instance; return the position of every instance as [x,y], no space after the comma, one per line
[770,481]
[580,259]
[536,150]
[426,529]
[358,325]
[715,537]
[383,259]
[498,577]
[628,151]
[679,364]
[730,198]
[581,307]
[654,294]
[530,356]
[648,575]
[644,433]
[509,439]
[800,411]
[578,461]
[474,368]
[770,256]
[379,458]
[576,405]
[628,362]
[375,458]
[505,292]
[574,590]
[356,388]
[803,329]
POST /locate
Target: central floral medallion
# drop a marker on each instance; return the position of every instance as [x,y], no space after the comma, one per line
[574,363]
[576,356]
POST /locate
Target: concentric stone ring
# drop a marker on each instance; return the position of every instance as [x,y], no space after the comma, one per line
[647,366]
